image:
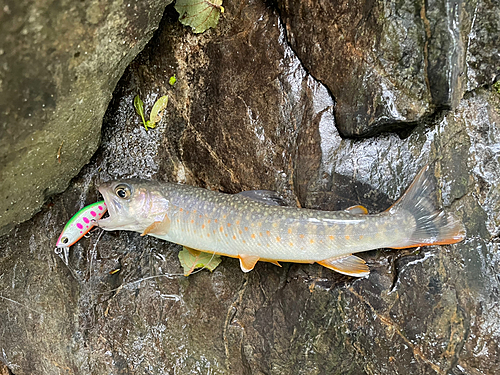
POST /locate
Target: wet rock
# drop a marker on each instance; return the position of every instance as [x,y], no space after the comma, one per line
[483,51]
[245,114]
[388,65]
[59,64]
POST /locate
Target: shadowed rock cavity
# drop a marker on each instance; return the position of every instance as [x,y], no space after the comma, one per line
[245,114]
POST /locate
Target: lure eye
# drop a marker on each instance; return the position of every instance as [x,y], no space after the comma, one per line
[123,191]
[65,240]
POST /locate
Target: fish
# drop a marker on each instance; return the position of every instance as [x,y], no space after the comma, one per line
[78,226]
[253,226]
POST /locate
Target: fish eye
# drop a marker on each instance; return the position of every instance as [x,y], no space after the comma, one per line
[65,240]
[123,191]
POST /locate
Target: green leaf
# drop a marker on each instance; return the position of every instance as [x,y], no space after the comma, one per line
[199,14]
[191,259]
[155,115]
[139,108]
[172,80]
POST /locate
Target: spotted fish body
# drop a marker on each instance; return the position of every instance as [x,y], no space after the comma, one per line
[251,227]
[80,224]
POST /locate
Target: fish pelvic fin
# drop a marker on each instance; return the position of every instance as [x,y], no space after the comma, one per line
[432,225]
[350,265]
[248,262]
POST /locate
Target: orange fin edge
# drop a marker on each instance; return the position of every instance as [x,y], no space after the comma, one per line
[449,241]
[357,210]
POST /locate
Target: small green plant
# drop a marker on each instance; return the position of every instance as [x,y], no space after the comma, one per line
[192,259]
[172,80]
[199,14]
[155,115]
[496,86]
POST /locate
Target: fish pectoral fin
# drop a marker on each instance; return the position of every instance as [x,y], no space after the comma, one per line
[151,228]
[247,262]
[193,252]
[158,227]
[357,210]
[350,265]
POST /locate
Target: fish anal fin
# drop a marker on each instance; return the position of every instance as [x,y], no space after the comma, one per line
[350,265]
[357,210]
[275,262]
[247,262]
[158,227]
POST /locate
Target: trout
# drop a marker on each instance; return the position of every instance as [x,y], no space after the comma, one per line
[252,225]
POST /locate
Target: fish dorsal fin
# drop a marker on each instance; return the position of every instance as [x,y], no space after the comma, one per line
[350,265]
[247,262]
[158,227]
[264,196]
[357,210]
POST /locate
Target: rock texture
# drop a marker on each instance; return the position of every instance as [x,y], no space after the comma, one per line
[59,63]
[483,52]
[246,113]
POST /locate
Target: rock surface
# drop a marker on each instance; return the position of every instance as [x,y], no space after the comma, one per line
[483,52]
[60,61]
[246,114]
[388,64]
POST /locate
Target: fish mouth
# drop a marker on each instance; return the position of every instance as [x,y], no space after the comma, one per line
[118,217]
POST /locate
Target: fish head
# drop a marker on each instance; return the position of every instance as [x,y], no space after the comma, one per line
[132,204]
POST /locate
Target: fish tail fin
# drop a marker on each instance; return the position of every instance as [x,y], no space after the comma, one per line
[433,225]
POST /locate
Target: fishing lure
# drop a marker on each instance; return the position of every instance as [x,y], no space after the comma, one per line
[78,226]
